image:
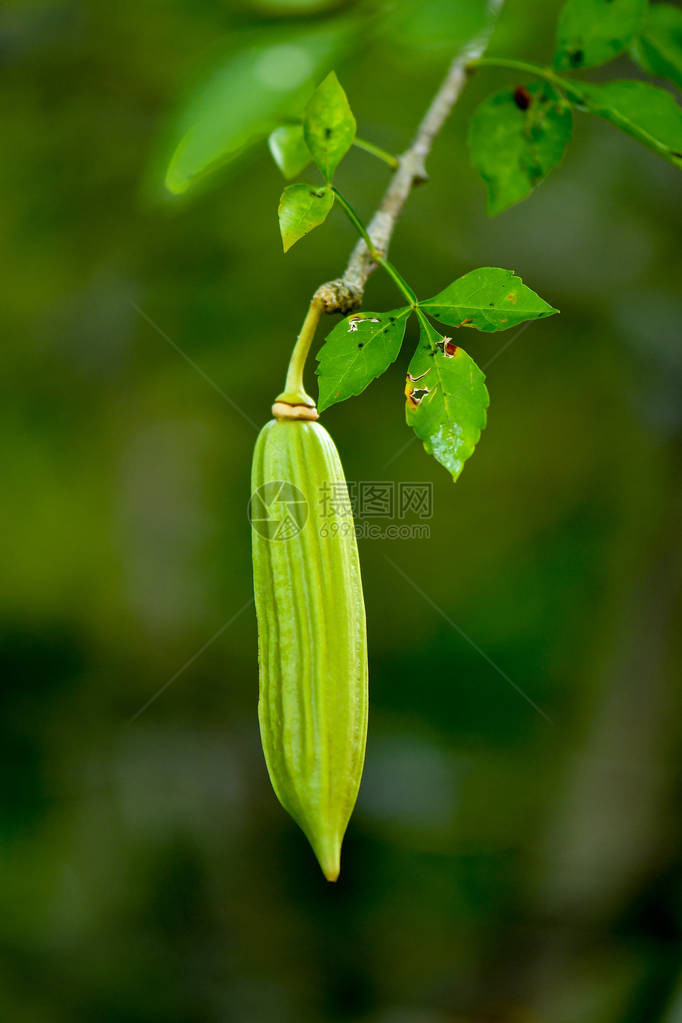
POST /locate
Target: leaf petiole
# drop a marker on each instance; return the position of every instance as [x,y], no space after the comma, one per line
[402,285]
[377,151]
[546,73]
[357,224]
[423,321]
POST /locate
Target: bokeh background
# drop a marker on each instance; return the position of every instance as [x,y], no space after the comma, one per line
[499,867]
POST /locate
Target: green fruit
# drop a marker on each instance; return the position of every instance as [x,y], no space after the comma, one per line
[312,638]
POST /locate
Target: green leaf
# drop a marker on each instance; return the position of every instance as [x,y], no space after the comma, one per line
[439,29]
[446,399]
[359,349]
[649,114]
[516,137]
[659,47]
[328,125]
[292,7]
[301,209]
[488,299]
[261,83]
[289,150]
[593,31]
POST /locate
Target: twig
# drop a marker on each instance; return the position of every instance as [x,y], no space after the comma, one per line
[345,293]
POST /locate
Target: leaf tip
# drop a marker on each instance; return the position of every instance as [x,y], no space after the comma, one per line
[175,182]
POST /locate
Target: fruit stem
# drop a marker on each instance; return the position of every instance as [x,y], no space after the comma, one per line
[294,392]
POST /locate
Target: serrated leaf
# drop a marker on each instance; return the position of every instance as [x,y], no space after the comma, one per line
[289,150]
[592,32]
[359,349]
[515,139]
[266,79]
[328,125]
[445,399]
[643,111]
[301,209]
[658,49]
[487,299]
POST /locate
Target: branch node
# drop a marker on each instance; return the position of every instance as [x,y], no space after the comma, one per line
[346,293]
[338,296]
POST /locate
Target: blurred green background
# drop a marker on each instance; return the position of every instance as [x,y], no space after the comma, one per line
[499,867]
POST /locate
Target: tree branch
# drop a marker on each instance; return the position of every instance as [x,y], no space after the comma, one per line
[345,294]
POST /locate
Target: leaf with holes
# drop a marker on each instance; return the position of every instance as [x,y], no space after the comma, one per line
[359,349]
[487,299]
[593,31]
[289,150]
[658,48]
[301,209]
[445,399]
[516,137]
[328,125]
[643,111]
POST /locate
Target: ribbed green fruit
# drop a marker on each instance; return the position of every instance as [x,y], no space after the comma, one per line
[312,639]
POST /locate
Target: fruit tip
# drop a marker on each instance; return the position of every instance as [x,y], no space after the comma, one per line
[330,864]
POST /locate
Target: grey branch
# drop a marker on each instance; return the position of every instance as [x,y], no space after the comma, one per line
[345,294]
